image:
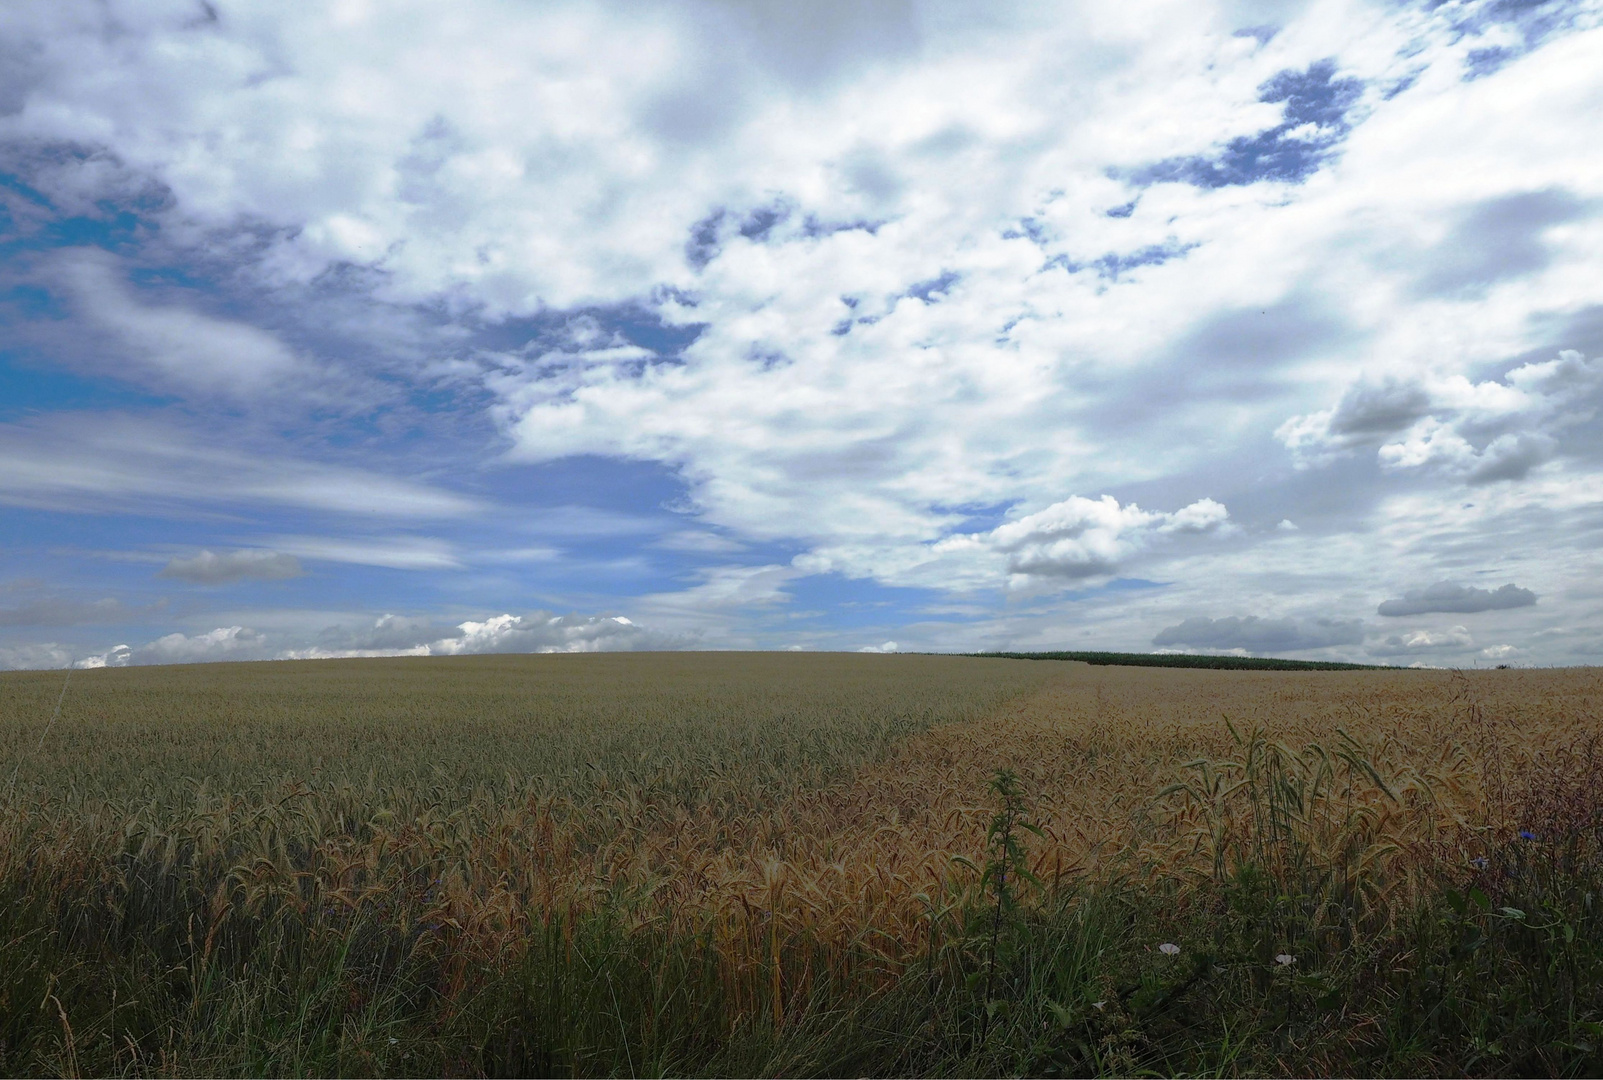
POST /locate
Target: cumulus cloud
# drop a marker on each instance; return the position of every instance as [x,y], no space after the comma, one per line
[1479,432]
[1444,596]
[1086,538]
[1366,413]
[388,635]
[401,633]
[535,632]
[1256,634]
[116,656]
[1454,639]
[223,643]
[226,567]
[545,633]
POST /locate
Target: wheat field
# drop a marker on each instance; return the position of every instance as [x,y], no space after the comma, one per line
[816,825]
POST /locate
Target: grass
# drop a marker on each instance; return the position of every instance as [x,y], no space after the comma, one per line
[761,864]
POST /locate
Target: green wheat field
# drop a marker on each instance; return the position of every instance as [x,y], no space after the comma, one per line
[794,864]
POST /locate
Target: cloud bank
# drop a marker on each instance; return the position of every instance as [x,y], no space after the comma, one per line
[1256,634]
[1444,596]
[389,635]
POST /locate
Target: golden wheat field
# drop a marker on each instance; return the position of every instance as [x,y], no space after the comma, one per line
[343,866]
[778,799]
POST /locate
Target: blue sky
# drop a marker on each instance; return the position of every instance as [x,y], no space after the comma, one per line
[1270,328]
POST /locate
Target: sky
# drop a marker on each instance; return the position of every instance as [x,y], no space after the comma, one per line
[1235,326]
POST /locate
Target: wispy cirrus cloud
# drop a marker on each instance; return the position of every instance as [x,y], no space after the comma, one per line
[97,462]
[393,552]
[168,345]
[223,568]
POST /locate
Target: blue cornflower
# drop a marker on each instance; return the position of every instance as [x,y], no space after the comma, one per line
[1526,834]
[1478,862]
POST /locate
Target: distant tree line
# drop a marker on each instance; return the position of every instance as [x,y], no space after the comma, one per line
[1181,660]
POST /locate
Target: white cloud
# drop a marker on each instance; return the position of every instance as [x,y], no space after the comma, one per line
[535,632]
[543,633]
[404,634]
[1454,639]
[388,635]
[46,654]
[223,643]
[171,345]
[317,652]
[324,128]
[222,568]
[883,647]
[1365,414]
[699,541]
[727,587]
[116,656]
[396,552]
[536,554]
[1480,432]
[1081,538]
[933,292]
[100,462]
